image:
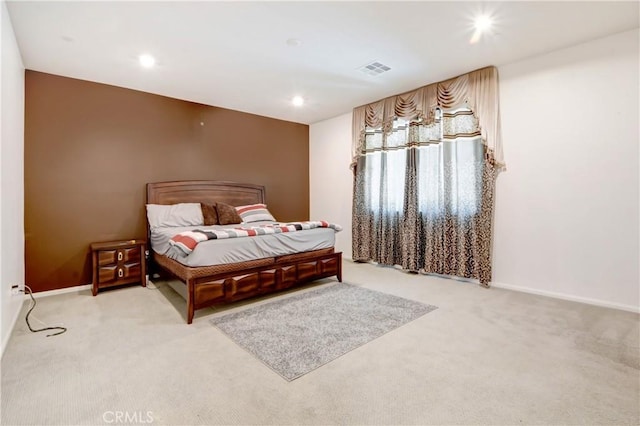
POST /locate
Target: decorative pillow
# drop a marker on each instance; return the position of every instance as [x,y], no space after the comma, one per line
[183,214]
[254,213]
[209,214]
[227,214]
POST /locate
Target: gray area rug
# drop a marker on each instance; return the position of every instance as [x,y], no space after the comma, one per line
[298,334]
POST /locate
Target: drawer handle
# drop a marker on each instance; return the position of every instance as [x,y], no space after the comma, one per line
[120,255]
[120,273]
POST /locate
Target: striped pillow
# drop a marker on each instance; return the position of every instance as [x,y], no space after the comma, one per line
[254,213]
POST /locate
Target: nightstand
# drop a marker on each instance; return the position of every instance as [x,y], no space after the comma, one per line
[118,262]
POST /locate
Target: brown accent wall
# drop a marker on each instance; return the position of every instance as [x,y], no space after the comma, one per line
[90,149]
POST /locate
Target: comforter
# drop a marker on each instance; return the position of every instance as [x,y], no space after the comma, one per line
[186,241]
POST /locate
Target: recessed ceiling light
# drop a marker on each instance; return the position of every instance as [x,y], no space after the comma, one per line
[482,24]
[147,61]
[297,101]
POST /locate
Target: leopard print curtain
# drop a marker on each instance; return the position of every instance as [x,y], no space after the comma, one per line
[424,195]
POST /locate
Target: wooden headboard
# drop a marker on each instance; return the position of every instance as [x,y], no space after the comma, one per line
[204,191]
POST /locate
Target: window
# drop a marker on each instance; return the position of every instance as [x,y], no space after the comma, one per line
[448,157]
[386,163]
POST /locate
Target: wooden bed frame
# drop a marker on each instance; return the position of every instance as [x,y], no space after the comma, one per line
[211,285]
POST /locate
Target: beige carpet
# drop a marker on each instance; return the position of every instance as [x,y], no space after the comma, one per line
[484,357]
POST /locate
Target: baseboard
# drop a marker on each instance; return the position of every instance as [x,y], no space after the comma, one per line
[75,289]
[48,293]
[563,296]
[14,320]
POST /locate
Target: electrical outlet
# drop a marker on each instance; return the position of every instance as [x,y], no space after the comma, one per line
[15,289]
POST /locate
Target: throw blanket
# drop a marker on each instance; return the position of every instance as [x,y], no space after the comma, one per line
[187,241]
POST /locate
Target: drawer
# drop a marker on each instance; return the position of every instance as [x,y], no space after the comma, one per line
[207,291]
[116,273]
[131,254]
[268,278]
[287,276]
[329,266]
[129,270]
[107,274]
[307,270]
[243,284]
[108,257]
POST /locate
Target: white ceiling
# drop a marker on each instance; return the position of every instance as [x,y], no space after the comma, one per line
[235,54]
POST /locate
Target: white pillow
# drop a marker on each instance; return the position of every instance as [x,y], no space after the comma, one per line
[183,214]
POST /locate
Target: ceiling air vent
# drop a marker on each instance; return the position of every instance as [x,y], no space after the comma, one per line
[374,68]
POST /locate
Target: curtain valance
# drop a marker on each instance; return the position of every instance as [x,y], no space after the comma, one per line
[478,89]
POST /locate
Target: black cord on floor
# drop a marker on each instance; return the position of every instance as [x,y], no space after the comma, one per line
[62,329]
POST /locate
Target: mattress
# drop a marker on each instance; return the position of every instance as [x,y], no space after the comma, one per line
[233,250]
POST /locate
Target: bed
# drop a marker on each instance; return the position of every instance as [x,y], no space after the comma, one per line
[219,283]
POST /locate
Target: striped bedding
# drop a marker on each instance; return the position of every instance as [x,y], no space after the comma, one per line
[187,241]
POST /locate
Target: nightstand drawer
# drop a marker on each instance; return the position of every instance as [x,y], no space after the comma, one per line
[118,272]
[129,270]
[107,274]
[130,255]
[108,257]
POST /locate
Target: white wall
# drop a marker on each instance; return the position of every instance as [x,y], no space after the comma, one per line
[567,214]
[11,177]
[566,219]
[330,178]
